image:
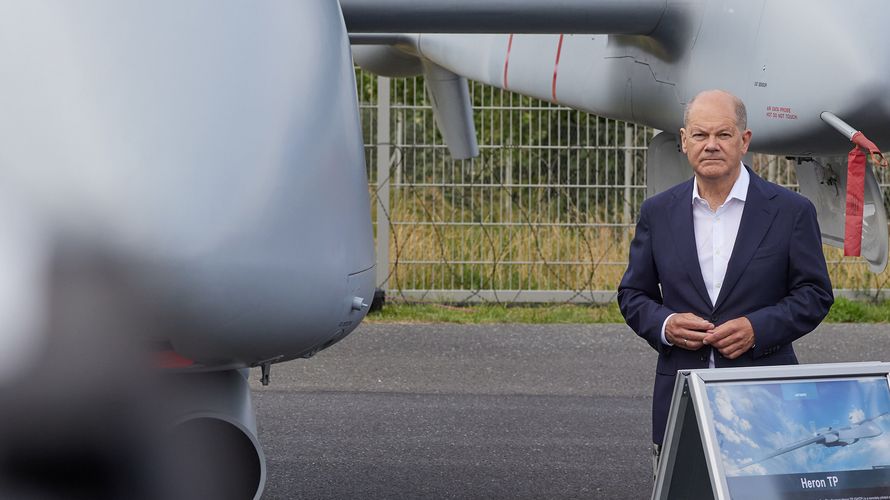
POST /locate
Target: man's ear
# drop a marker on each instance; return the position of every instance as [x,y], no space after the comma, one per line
[683,139]
[746,140]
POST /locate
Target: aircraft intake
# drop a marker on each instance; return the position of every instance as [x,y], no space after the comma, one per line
[215,458]
[212,451]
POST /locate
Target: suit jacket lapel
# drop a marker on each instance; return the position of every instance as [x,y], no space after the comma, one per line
[684,238]
[757,217]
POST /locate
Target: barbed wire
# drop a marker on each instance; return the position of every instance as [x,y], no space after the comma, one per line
[497,252]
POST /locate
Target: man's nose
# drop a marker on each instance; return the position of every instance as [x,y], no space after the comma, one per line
[711,144]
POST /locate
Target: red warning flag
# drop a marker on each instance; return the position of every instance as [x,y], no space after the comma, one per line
[855,200]
[856,192]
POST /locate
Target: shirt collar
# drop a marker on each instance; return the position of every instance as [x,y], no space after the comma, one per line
[739,190]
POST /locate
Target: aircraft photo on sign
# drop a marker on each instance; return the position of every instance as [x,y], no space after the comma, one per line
[826,438]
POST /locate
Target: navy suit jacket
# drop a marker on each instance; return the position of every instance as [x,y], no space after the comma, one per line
[776,277]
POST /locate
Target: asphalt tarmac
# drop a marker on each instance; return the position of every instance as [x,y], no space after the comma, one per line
[481,411]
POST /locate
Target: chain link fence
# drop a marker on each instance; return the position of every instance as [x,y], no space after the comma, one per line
[544,214]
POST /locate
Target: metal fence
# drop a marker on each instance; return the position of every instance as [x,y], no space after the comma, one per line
[544,214]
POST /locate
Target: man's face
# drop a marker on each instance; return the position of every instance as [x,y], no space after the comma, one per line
[712,140]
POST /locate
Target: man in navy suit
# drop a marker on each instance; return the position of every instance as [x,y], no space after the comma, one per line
[725,269]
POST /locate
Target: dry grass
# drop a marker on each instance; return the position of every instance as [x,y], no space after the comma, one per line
[428,251]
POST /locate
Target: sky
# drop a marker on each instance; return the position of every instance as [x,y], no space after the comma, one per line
[751,420]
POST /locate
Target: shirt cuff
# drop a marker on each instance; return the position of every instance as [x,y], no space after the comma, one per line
[664,339]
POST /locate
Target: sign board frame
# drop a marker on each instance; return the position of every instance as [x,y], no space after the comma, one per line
[691,439]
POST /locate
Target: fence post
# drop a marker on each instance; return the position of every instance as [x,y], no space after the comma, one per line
[628,171]
[383,141]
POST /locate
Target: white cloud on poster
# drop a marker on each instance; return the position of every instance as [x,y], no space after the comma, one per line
[758,469]
[725,405]
[741,467]
[732,436]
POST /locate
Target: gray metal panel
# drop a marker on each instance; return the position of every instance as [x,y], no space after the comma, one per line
[211,146]
[824,182]
[503,16]
[666,164]
[740,46]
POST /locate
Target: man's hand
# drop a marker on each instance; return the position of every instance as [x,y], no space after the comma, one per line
[732,338]
[687,330]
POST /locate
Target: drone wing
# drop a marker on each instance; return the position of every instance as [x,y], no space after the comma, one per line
[405,37]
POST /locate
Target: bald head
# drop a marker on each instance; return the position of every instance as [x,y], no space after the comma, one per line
[718,96]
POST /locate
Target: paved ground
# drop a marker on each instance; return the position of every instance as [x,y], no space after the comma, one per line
[503,411]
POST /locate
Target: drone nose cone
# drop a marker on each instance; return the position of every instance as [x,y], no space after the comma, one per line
[222,160]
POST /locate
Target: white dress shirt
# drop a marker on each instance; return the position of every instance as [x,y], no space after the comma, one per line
[715,234]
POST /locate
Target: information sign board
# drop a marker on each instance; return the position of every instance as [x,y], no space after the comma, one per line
[784,432]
